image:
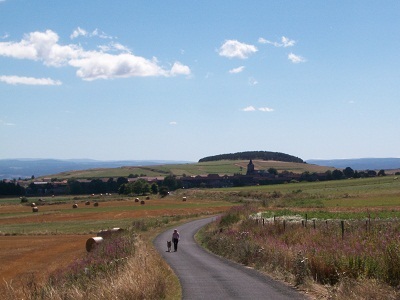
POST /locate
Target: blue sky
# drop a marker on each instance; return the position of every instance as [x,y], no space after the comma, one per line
[181,80]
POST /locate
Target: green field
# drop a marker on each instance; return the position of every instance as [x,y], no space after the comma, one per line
[223,167]
[375,192]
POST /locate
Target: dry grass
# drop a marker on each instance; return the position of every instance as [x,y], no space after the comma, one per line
[363,265]
[144,276]
[351,289]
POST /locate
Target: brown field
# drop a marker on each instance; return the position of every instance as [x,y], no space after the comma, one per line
[22,256]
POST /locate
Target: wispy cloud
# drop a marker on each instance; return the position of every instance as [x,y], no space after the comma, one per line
[296,58]
[266,109]
[252,108]
[285,42]
[236,49]
[29,80]
[253,81]
[249,108]
[91,65]
[237,70]
[78,32]
[95,33]
[173,123]
[4,123]
[114,47]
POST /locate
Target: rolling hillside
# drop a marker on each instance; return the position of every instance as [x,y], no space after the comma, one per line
[223,167]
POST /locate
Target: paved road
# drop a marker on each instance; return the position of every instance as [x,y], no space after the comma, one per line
[206,276]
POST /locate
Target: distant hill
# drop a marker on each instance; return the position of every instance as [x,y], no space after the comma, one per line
[221,167]
[263,155]
[359,163]
[25,168]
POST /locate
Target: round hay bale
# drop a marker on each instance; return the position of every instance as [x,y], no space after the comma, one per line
[96,204]
[33,204]
[87,203]
[183,198]
[75,205]
[148,198]
[92,242]
[142,202]
[35,209]
[136,199]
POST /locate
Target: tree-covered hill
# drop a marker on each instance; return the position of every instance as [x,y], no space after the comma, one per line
[263,155]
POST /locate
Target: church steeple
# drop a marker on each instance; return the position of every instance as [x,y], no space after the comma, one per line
[250,168]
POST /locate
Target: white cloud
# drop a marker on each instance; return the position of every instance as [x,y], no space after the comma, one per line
[235,49]
[4,36]
[237,70]
[91,65]
[179,69]
[262,40]
[249,108]
[173,123]
[40,46]
[29,80]
[296,58]
[98,65]
[285,42]
[266,109]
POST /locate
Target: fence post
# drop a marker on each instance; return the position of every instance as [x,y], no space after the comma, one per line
[314,224]
[284,225]
[342,224]
[369,221]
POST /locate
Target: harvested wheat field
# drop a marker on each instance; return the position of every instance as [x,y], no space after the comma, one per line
[23,256]
[41,242]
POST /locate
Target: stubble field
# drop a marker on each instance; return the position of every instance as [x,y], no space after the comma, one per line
[35,244]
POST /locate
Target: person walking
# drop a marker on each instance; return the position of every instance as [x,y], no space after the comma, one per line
[175,239]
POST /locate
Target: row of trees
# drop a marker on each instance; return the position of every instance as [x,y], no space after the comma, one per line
[339,174]
[11,188]
[142,187]
[95,186]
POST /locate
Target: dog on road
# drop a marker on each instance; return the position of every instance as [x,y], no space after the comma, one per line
[169,244]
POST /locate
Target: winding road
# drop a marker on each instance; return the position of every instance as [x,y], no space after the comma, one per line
[204,275]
